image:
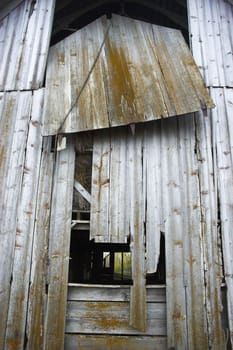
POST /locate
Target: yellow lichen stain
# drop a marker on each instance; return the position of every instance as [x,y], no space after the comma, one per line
[194,172]
[61,58]
[176,211]
[178,316]
[18,231]
[191,260]
[98,305]
[105,182]
[204,193]
[28,212]
[18,246]
[47,206]
[109,323]
[173,184]
[2,155]
[121,85]
[13,344]
[56,254]
[178,243]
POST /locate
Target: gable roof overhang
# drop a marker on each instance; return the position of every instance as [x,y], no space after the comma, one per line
[118,72]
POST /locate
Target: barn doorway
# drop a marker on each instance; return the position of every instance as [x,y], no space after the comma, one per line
[100,278]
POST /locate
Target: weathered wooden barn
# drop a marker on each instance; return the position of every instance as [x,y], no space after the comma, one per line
[116,172]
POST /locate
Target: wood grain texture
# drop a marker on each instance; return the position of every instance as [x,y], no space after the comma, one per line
[144,72]
[14,124]
[25,35]
[112,293]
[100,342]
[25,228]
[105,310]
[39,270]
[59,245]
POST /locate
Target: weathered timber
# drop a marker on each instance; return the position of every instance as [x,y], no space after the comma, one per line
[59,245]
[25,229]
[14,124]
[100,342]
[39,269]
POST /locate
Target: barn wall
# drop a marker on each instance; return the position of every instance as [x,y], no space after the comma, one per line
[211,37]
[196,203]
[25,162]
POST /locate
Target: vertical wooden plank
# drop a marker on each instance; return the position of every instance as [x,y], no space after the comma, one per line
[136,224]
[25,33]
[8,112]
[192,236]
[15,122]
[38,279]
[36,45]
[25,228]
[210,239]
[118,194]
[99,225]
[59,245]
[196,23]
[172,206]
[211,40]
[223,132]
[152,183]
[226,18]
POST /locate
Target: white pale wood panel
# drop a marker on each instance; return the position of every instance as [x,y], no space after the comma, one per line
[226,16]
[213,44]
[206,155]
[8,43]
[152,183]
[15,121]
[100,342]
[211,40]
[223,133]
[92,102]
[196,24]
[25,34]
[127,103]
[110,310]
[112,293]
[154,327]
[25,228]
[137,234]
[192,235]
[141,72]
[59,245]
[99,225]
[8,108]
[36,47]
[173,224]
[112,317]
[38,278]
[118,194]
